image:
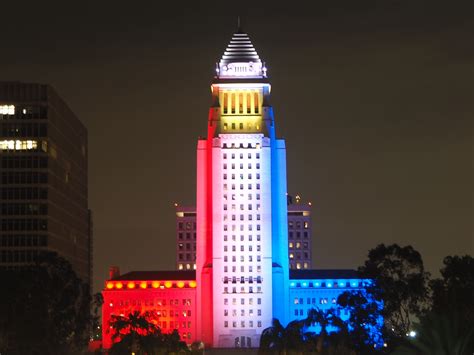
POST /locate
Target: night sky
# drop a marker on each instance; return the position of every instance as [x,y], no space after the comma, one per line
[374,99]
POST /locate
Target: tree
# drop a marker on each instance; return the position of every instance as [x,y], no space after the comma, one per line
[365,323]
[46,309]
[454,292]
[280,339]
[400,281]
[136,332]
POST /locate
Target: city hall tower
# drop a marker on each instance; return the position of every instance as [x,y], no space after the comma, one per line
[242,268]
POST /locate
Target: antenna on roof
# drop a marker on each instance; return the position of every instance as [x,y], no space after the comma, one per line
[239,28]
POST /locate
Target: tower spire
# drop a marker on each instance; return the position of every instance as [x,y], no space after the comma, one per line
[239,26]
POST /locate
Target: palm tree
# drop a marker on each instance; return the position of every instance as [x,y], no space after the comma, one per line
[323,318]
[135,331]
[280,339]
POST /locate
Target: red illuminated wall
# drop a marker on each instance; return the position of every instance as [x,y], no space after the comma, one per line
[173,303]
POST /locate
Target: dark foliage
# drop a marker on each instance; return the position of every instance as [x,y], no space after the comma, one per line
[365,323]
[401,282]
[44,309]
[137,333]
[454,292]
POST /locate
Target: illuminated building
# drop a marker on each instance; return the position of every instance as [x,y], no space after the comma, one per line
[185,238]
[43,180]
[299,235]
[242,278]
[169,295]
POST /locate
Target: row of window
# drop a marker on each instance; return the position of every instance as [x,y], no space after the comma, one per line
[188,236]
[187,266]
[299,256]
[233,217]
[27,224]
[25,113]
[249,145]
[242,324]
[233,126]
[157,302]
[24,240]
[233,197]
[242,258]
[297,235]
[186,256]
[173,313]
[233,207]
[176,325]
[187,246]
[12,209]
[313,300]
[241,176]
[18,256]
[187,226]
[24,162]
[242,279]
[242,238]
[241,166]
[242,268]
[24,177]
[298,245]
[8,130]
[242,313]
[241,186]
[298,224]
[298,265]
[241,155]
[23,193]
[243,289]
[233,227]
[242,248]
[242,301]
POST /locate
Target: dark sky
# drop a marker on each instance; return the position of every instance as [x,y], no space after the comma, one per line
[374,99]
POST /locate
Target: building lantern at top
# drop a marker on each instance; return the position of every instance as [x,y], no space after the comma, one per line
[240,60]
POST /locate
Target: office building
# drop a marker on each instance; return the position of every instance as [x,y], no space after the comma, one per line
[43,186]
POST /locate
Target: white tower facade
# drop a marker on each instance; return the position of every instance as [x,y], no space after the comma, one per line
[242,258]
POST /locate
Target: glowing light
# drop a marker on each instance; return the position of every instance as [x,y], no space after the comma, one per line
[192,284]
[111,304]
[119,285]
[329,284]
[317,284]
[292,284]
[143,284]
[18,145]
[304,284]
[7,110]
[131,285]
[110,285]
[155,284]
[168,284]
[412,334]
[310,204]
[180,284]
